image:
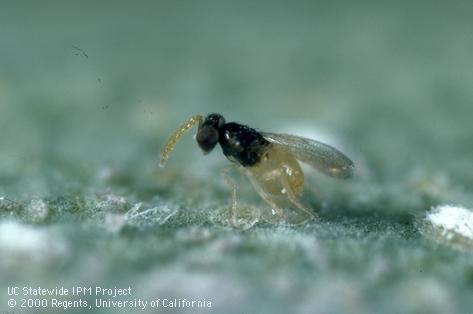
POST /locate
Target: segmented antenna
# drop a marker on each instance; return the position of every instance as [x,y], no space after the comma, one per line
[176,136]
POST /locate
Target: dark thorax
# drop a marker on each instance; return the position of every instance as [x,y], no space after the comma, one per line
[242,144]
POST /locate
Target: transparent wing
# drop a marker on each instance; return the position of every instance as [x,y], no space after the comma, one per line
[321,156]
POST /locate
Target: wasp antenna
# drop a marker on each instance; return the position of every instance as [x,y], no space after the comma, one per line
[176,136]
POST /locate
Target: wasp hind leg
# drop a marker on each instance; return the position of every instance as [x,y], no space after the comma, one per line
[305,213]
[276,214]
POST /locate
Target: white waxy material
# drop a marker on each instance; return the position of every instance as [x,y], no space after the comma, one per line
[24,243]
[37,210]
[17,237]
[452,220]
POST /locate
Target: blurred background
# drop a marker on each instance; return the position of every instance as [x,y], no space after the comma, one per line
[90,91]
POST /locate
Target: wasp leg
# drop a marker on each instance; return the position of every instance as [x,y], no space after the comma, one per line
[277,211]
[224,172]
[293,198]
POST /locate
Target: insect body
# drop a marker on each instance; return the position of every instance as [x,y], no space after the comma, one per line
[270,161]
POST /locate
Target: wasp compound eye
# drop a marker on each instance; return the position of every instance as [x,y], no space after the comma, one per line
[207,138]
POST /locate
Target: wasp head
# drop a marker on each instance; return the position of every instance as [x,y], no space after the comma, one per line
[207,135]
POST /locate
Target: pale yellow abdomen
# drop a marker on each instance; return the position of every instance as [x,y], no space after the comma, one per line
[276,166]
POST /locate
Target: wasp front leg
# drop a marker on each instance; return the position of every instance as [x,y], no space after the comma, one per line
[231,184]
